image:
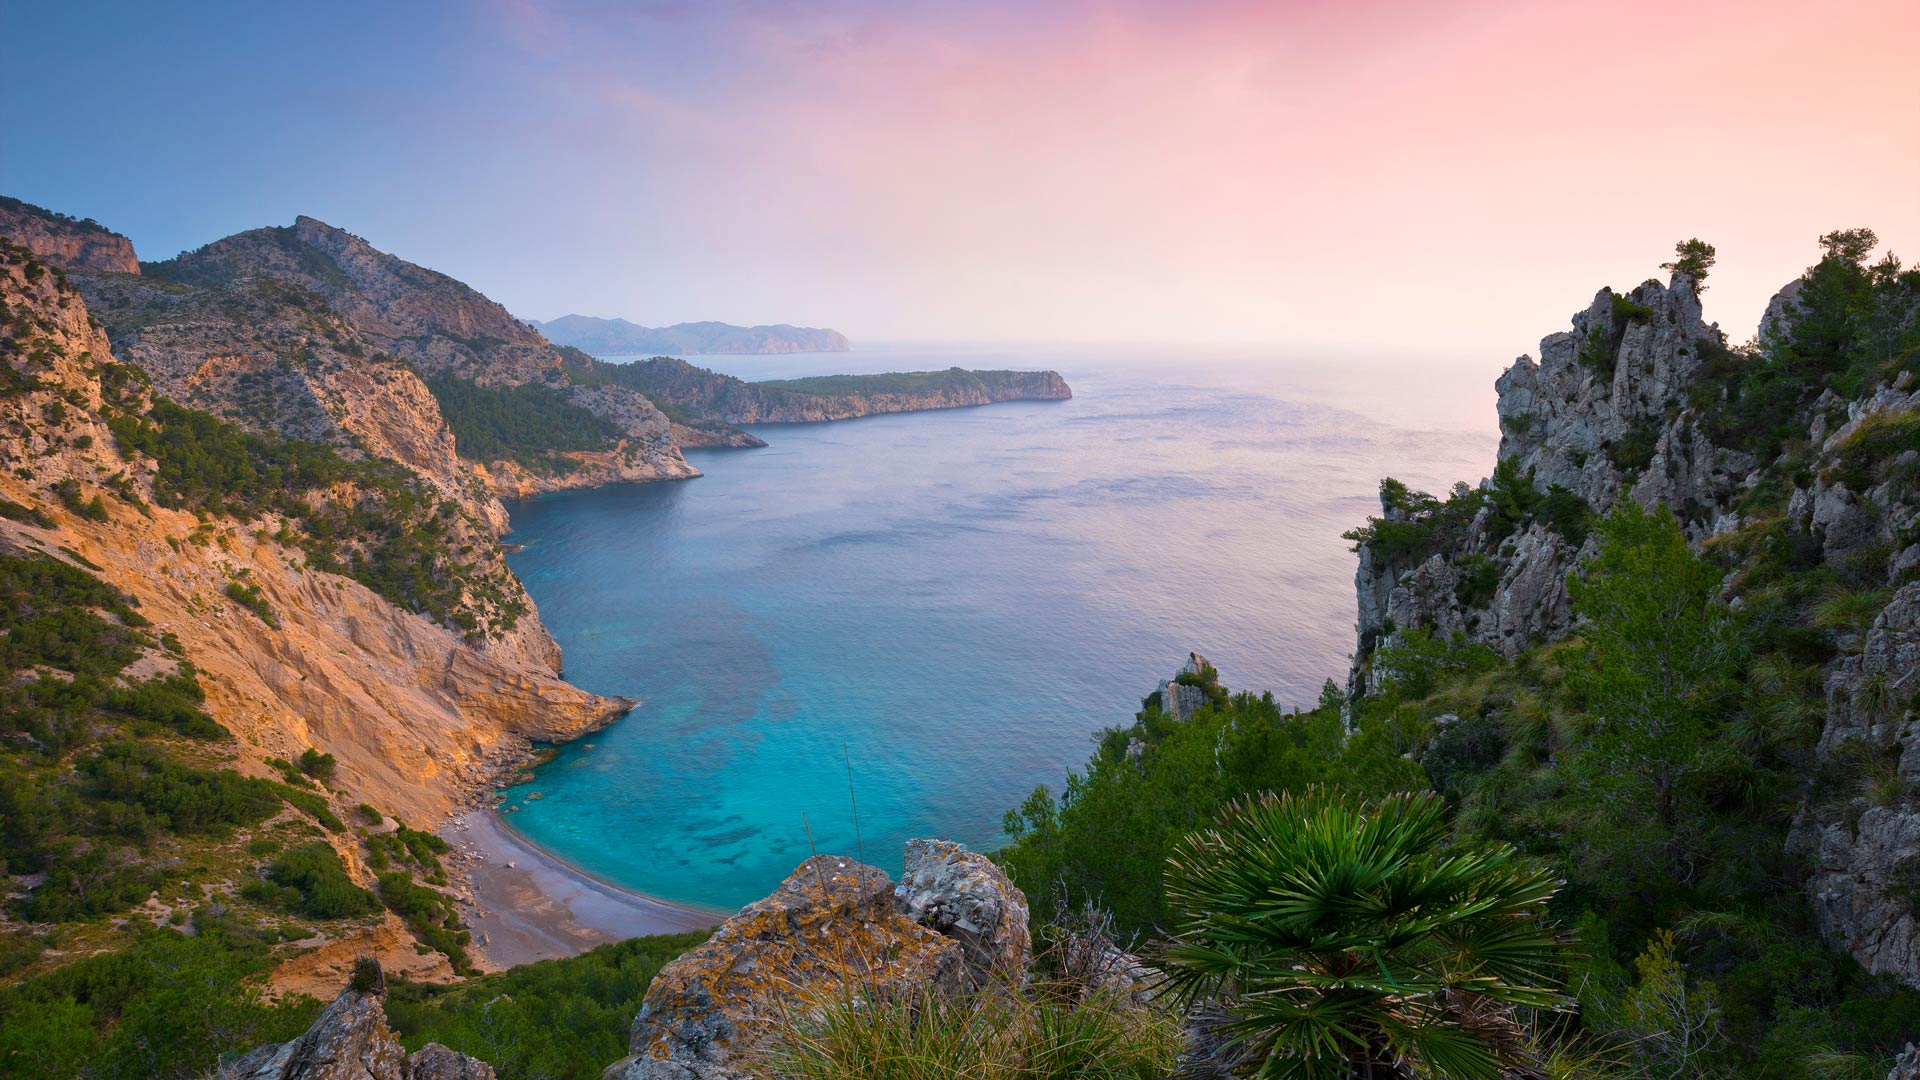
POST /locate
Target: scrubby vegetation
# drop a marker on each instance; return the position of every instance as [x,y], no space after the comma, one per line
[311,880]
[560,1019]
[369,520]
[1655,762]
[164,1006]
[1003,1032]
[528,425]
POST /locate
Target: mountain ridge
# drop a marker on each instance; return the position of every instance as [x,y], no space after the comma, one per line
[619,337]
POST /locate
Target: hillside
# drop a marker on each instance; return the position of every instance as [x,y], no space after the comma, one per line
[618,337]
[309,332]
[221,648]
[708,394]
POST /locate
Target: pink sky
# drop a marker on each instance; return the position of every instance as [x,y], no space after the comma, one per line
[1367,175]
[1441,179]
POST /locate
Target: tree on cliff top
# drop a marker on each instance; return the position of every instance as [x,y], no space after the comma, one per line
[1693,258]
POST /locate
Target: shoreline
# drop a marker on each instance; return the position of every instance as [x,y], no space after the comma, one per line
[524,903]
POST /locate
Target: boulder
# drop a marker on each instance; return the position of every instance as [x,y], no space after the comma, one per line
[351,1041]
[963,895]
[830,933]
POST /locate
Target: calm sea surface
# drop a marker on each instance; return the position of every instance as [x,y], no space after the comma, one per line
[953,601]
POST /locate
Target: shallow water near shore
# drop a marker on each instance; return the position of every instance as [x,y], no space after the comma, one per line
[952,603]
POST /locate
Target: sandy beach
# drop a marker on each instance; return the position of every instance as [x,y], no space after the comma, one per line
[525,905]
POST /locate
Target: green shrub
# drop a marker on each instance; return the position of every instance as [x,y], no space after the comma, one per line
[317,765]
[17,512]
[312,881]
[527,424]
[249,596]
[564,1019]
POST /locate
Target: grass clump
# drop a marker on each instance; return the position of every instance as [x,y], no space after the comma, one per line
[1002,1032]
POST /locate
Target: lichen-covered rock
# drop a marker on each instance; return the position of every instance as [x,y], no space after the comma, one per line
[436,1062]
[1907,1066]
[966,896]
[351,1041]
[830,933]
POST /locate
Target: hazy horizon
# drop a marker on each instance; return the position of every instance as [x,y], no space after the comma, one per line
[1444,178]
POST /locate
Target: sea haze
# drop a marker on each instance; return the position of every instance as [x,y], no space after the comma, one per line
[953,601]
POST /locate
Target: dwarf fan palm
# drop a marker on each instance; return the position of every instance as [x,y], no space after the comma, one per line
[1330,937]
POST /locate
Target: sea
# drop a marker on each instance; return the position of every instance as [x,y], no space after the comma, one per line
[900,626]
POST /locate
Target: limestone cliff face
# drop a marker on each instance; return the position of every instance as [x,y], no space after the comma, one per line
[1865,847]
[841,397]
[411,709]
[280,362]
[66,242]
[1609,410]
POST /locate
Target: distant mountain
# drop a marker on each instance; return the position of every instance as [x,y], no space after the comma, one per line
[618,337]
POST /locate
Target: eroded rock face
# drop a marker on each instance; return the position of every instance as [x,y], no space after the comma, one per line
[351,1041]
[1606,409]
[65,242]
[1865,867]
[835,931]
[966,896]
[412,709]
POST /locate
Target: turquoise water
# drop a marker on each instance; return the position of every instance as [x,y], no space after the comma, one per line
[953,602]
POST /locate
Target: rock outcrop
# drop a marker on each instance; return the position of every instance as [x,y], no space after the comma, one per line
[65,242]
[1611,408]
[1866,851]
[351,1041]
[965,896]
[836,931]
[1179,699]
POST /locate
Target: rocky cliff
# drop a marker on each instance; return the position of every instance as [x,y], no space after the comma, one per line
[1792,460]
[1611,409]
[412,707]
[70,243]
[618,337]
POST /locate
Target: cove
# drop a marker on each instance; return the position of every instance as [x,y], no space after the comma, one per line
[952,603]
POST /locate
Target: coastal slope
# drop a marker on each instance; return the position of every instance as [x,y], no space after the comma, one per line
[724,398]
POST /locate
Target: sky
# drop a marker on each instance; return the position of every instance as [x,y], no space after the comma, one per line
[1392,177]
